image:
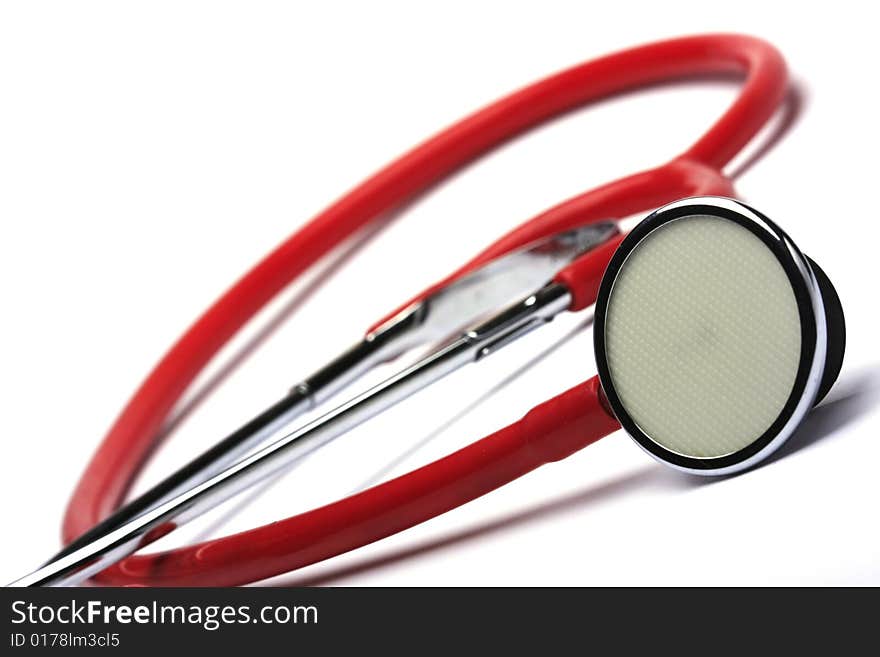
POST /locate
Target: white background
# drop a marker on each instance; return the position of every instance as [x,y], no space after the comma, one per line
[151,152]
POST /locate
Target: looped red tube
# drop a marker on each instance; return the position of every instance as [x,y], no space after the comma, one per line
[549,432]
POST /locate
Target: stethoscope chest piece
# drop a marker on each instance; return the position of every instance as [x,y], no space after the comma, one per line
[714,335]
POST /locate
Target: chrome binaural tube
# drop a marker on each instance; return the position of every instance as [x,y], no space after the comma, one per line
[220,472]
[435,318]
[473,345]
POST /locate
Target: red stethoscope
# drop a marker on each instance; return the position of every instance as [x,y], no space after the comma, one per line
[575,246]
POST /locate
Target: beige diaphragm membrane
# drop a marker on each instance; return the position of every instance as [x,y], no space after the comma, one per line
[702,336]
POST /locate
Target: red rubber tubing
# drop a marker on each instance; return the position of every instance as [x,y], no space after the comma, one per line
[545,432]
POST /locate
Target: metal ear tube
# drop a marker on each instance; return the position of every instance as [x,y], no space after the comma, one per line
[157,513]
